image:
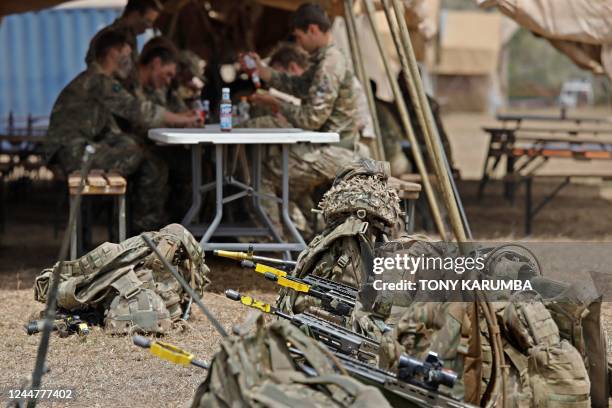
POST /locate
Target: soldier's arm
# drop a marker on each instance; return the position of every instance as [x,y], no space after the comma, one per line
[319,101]
[292,84]
[141,111]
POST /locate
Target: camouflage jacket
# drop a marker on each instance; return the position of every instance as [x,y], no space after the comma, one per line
[87,108]
[326,91]
[118,25]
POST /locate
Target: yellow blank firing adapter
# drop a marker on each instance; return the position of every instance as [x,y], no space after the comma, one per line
[261,268]
[164,351]
[288,283]
[248,301]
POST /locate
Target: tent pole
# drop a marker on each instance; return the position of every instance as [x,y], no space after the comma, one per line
[362,75]
[405,118]
[424,115]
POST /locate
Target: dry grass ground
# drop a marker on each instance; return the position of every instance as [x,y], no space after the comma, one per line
[110,371]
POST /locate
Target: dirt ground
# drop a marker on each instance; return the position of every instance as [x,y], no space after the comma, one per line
[110,371]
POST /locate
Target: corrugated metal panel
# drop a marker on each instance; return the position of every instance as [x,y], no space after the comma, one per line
[40,53]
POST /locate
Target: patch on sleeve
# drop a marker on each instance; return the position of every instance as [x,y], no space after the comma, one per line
[324,87]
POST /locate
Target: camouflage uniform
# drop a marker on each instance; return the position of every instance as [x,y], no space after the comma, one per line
[85,112]
[131,35]
[326,91]
[179,98]
[328,105]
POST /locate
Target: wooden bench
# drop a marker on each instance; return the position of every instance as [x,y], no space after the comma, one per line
[531,209]
[98,183]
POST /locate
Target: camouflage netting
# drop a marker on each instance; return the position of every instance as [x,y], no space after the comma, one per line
[367,197]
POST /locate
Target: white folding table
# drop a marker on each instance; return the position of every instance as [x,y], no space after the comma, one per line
[254,138]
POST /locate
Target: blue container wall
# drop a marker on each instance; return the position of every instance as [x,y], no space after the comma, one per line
[40,53]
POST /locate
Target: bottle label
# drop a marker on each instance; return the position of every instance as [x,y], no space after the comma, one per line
[226,116]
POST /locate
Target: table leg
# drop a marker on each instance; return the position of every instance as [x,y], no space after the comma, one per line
[256,199]
[196,184]
[122,221]
[411,206]
[73,234]
[285,198]
[218,195]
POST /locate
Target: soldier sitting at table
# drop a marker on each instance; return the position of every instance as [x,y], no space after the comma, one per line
[85,113]
[328,104]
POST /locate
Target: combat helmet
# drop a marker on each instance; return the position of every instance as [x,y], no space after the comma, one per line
[361,189]
[141,311]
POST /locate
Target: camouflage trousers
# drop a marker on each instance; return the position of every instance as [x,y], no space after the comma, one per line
[146,171]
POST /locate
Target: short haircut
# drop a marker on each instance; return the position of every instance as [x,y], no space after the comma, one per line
[310,13]
[141,6]
[158,49]
[287,53]
[107,41]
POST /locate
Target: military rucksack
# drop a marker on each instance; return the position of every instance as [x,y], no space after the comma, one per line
[549,371]
[127,283]
[258,369]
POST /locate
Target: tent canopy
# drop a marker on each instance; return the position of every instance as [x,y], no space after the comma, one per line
[22,6]
[581,29]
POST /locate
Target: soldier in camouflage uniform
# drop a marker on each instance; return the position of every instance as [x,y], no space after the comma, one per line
[137,17]
[327,104]
[155,71]
[86,111]
[325,88]
[359,211]
[188,84]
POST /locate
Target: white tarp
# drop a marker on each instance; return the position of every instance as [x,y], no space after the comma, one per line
[582,29]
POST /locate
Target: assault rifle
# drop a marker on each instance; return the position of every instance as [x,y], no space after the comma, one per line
[398,388]
[417,381]
[335,337]
[336,298]
[248,256]
[65,324]
[320,283]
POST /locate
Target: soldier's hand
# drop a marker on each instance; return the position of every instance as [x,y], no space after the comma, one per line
[187,119]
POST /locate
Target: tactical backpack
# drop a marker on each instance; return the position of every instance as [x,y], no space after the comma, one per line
[127,284]
[334,255]
[549,371]
[258,369]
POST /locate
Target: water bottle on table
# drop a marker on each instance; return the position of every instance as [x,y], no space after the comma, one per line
[225,111]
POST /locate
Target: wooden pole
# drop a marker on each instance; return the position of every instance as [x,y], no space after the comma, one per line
[362,75]
[405,118]
[413,82]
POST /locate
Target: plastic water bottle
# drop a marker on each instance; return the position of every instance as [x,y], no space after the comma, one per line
[225,111]
[251,65]
[244,110]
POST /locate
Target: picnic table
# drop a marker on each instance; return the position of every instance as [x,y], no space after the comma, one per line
[526,150]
